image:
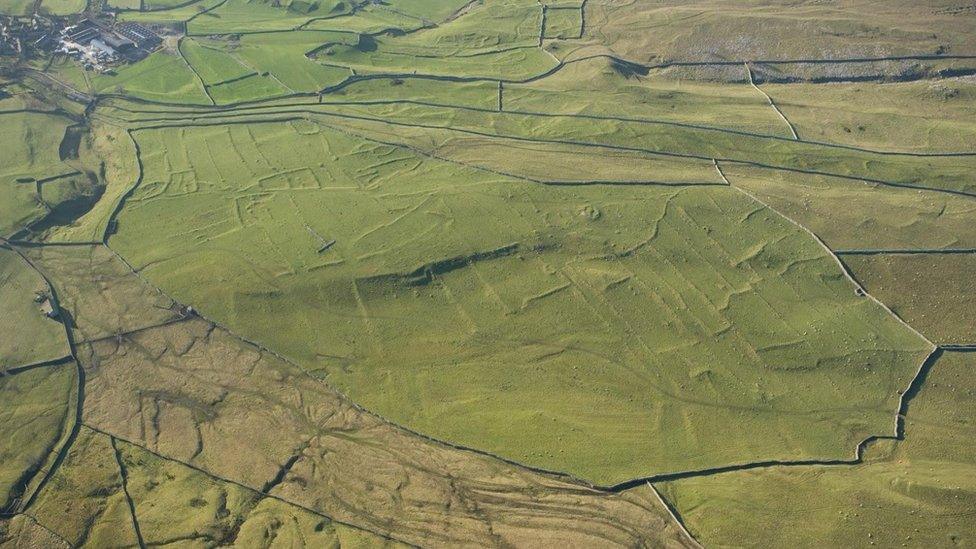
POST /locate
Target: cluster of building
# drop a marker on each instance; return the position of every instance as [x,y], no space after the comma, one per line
[21,34]
[99,46]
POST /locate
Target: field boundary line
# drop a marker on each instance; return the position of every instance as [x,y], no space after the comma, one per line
[908,251]
[960,347]
[859,289]
[247,487]
[752,82]
[238,108]
[50,363]
[124,475]
[675,517]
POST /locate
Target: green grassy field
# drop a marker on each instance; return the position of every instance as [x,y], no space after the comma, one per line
[493,273]
[29,336]
[916,493]
[933,292]
[912,116]
[62,7]
[549,251]
[163,76]
[32,142]
[857,215]
[16,7]
[37,410]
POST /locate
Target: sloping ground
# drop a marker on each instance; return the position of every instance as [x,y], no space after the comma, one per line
[924,116]
[933,292]
[852,215]
[503,318]
[225,417]
[531,228]
[726,30]
[28,336]
[118,494]
[920,492]
[31,143]
[100,292]
[37,410]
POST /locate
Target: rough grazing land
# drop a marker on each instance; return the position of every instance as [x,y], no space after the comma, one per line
[505,273]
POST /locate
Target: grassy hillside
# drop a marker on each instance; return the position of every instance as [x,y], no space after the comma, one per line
[493,273]
[28,336]
[916,492]
[447,299]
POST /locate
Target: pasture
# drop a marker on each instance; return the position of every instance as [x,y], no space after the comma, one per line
[36,414]
[424,307]
[910,492]
[530,273]
[933,292]
[29,337]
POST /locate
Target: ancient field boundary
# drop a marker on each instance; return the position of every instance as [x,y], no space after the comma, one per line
[675,516]
[135,331]
[256,108]
[303,115]
[46,529]
[124,475]
[251,489]
[297,113]
[548,182]
[203,84]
